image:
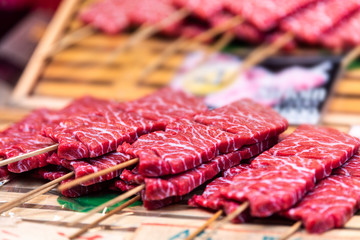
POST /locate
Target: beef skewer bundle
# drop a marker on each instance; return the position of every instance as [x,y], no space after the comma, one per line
[113,16]
[332,202]
[25,136]
[309,25]
[120,123]
[165,105]
[174,162]
[280,177]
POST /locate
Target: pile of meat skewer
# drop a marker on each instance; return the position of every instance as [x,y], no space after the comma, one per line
[180,145]
[329,23]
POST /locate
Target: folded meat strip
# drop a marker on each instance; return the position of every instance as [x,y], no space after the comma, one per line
[244,31]
[212,199]
[53,172]
[113,16]
[25,136]
[203,9]
[88,166]
[167,105]
[344,35]
[280,177]
[183,183]
[245,118]
[310,23]
[265,15]
[186,144]
[183,146]
[101,132]
[332,202]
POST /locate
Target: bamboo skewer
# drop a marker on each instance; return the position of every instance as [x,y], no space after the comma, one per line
[71,39]
[28,155]
[145,32]
[112,212]
[293,229]
[182,41]
[36,192]
[263,52]
[217,225]
[205,225]
[86,178]
[140,35]
[108,204]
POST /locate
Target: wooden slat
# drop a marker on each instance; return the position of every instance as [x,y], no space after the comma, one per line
[66,89]
[348,87]
[37,61]
[354,73]
[84,56]
[344,105]
[105,75]
[341,118]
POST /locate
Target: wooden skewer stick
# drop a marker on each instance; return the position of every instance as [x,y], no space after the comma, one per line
[182,41]
[112,212]
[220,44]
[294,228]
[205,225]
[36,192]
[108,204]
[225,220]
[28,155]
[86,178]
[351,56]
[263,52]
[71,39]
[145,32]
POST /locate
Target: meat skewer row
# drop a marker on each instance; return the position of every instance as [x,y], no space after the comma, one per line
[121,122]
[113,16]
[219,164]
[279,128]
[291,167]
[336,198]
[99,164]
[25,136]
[160,186]
[326,14]
[181,146]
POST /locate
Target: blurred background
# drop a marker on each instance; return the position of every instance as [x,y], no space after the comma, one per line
[299,57]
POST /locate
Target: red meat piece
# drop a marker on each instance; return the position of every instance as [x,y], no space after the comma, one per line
[212,199]
[111,16]
[318,143]
[99,133]
[93,165]
[265,16]
[183,146]
[181,184]
[167,105]
[252,121]
[244,31]
[201,8]
[350,168]
[330,204]
[345,34]
[53,172]
[310,23]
